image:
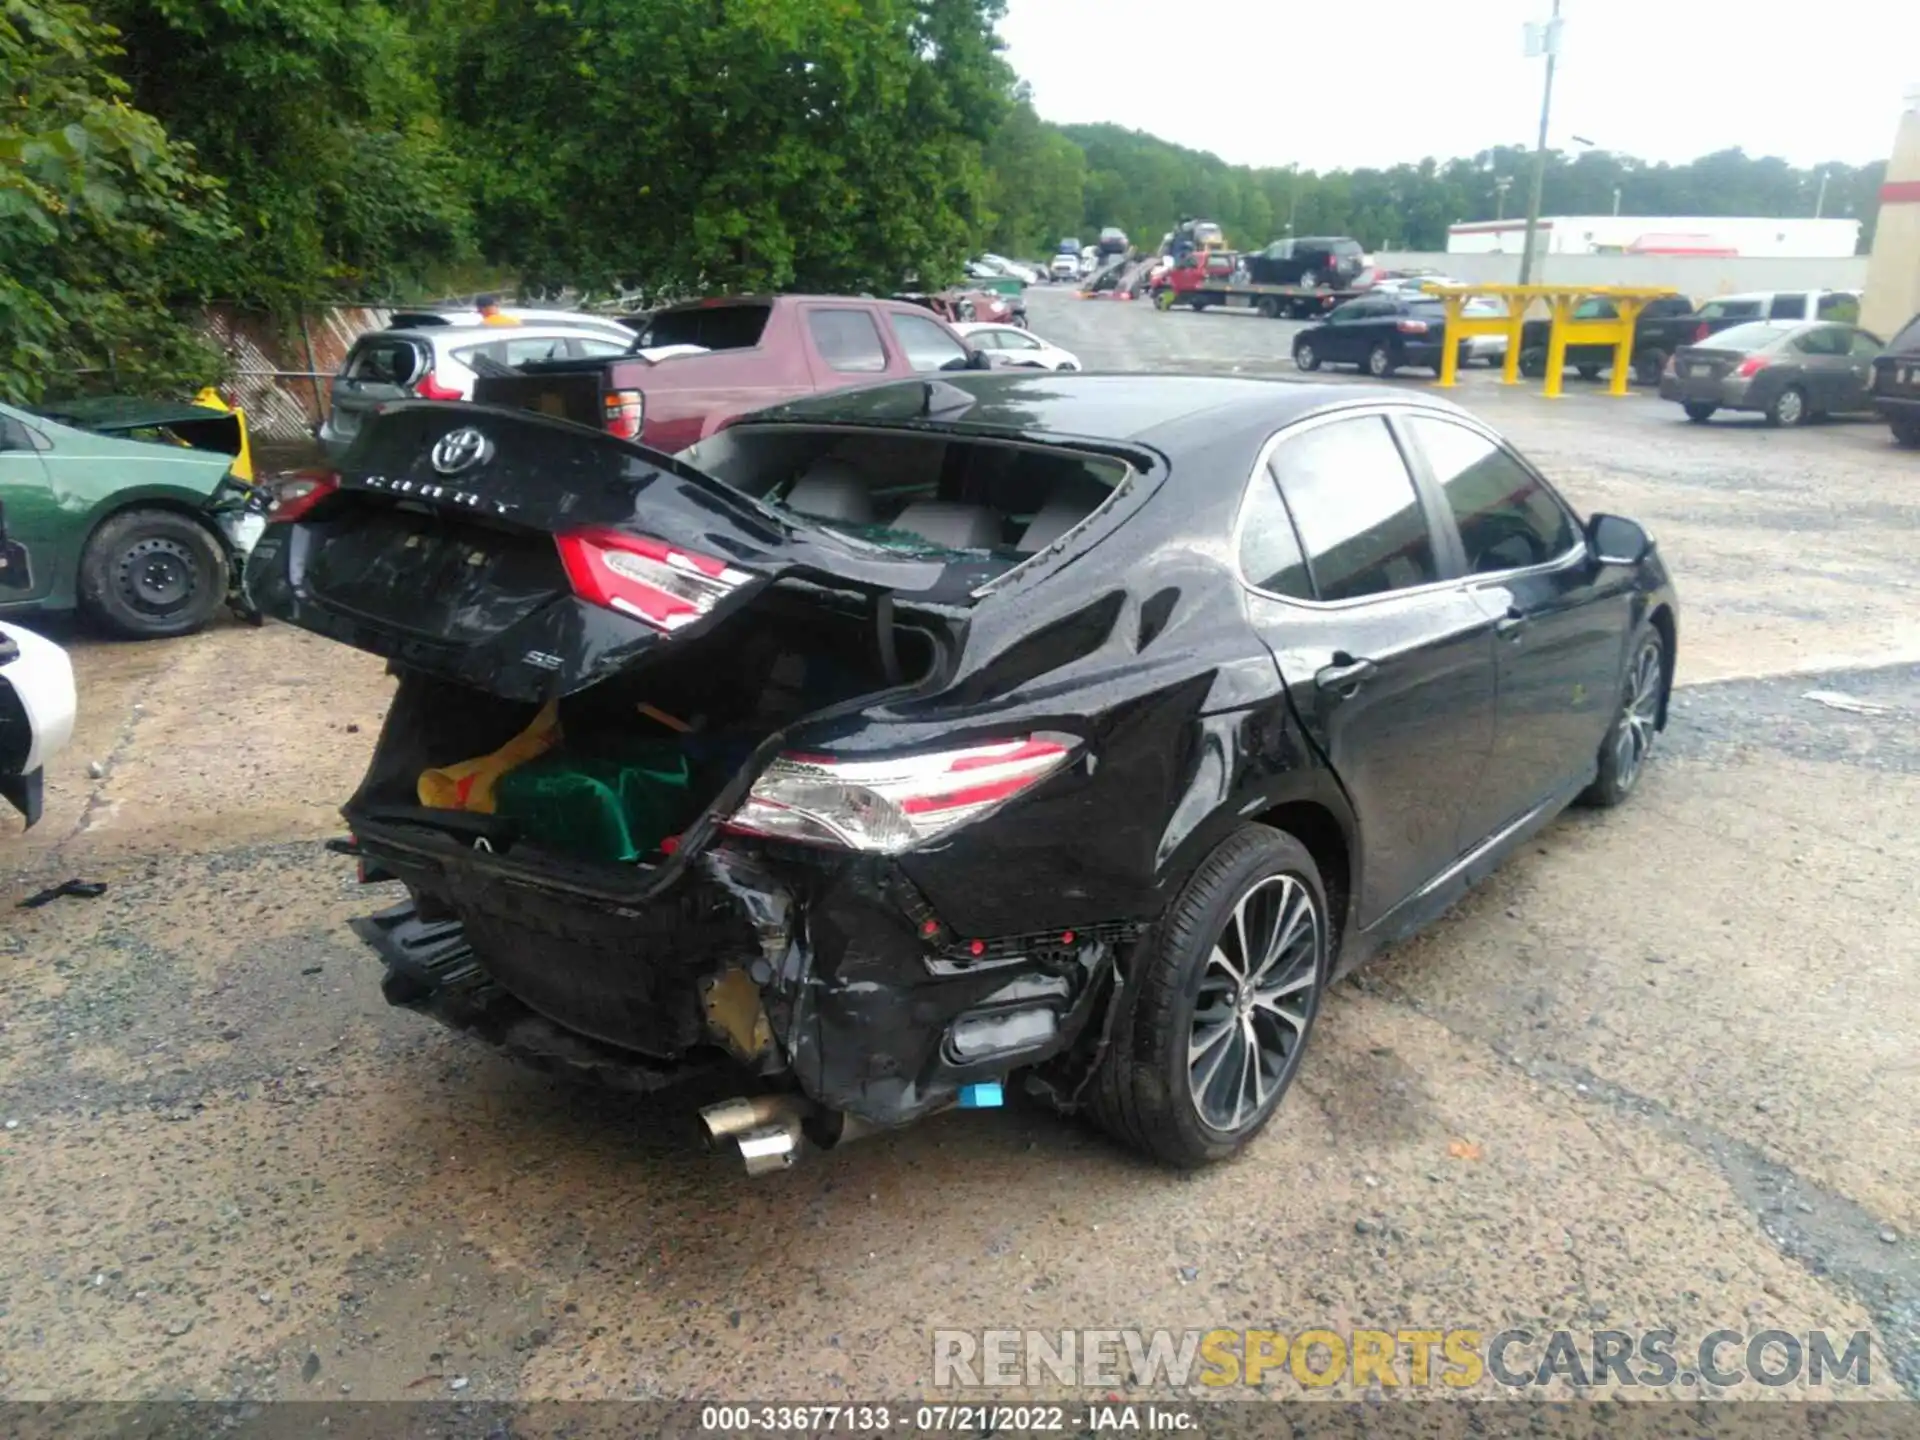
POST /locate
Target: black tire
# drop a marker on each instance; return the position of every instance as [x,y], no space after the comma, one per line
[1305,356]
[1906,432]
[1533,362]
[1587,372]
[1380,361]
[1270,307]
[1648,364]
[1629,739]
[1144,1093]
[1789,407]
[1699,411]
[149,574]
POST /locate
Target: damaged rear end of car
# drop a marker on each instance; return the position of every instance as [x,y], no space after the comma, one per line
[680,780]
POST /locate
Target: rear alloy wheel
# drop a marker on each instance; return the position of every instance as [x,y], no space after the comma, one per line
[1229,985]
[1533,362]
[1647,366]
[1700,411]
[148,574]
[1380,361]
[1623,754]
[1270,307]
[1789,407]
[1305,356]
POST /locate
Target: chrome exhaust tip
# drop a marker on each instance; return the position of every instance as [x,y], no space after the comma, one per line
[770,1148]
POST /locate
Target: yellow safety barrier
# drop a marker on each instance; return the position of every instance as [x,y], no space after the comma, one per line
[1563,329]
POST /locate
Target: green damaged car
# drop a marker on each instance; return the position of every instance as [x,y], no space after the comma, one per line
[142,535]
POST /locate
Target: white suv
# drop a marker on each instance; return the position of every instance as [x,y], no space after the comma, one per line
[436,363]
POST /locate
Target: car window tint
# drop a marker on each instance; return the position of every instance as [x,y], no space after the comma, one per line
[1862,345]
[1507,518]
[848,340]
[1845,309]
[1788,307]
[520,352]
[383,362]
[928,347]
[1729,309]
[1824,341]
[1270,555]
[1595,310]
[1016,340]
[598,349]
[1355,507]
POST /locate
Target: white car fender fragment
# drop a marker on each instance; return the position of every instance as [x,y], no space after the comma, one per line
[42,677]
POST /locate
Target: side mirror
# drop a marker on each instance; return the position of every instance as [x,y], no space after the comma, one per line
[1614,540]
[13,560]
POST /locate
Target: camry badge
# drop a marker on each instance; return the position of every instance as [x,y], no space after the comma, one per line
[460,450]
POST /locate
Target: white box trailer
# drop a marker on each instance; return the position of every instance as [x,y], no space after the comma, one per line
[1712,236]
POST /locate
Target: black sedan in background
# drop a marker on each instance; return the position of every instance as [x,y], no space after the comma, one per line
[896,745]
[1788,371]
[1378,333]
[1896,384]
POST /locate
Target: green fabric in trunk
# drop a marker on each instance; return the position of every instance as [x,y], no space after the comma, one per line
[599,807]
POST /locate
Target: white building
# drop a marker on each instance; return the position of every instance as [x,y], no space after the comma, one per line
[1715,236]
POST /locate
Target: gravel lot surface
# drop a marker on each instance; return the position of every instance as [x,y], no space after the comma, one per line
[1660,1072]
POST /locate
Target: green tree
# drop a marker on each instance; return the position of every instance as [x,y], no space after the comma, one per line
[102,216]
[321,118]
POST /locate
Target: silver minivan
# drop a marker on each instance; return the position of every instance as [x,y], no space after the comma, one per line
[436,363]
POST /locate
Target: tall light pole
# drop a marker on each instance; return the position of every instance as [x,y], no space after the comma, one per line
[1293,195]
[1541,40]
[1500,186]
[1820,200]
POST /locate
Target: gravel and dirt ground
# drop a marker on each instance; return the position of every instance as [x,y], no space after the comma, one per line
[1659,1073]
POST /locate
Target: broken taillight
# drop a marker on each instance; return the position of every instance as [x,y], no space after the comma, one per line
[887,806]
[626,412]
[294,496]
[648,579]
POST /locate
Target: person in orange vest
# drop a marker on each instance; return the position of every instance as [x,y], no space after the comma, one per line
[491,313]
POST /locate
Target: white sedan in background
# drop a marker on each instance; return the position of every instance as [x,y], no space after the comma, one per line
[1010,345]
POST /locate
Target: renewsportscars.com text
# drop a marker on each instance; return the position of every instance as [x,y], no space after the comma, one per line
[1456,1359]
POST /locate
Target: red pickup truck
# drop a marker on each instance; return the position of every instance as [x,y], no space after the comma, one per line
[713,360]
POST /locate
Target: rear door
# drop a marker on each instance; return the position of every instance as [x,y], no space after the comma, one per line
[1862,350]
[1560,624]
[379,368]
[1388,661]
[927,344]
[1822,353]
[844,344]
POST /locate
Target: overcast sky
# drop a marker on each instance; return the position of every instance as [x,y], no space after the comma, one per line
[1383,81]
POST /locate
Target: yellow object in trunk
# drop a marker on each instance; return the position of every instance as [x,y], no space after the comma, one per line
[469,784]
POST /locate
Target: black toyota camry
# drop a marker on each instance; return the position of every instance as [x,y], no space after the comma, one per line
[899,744]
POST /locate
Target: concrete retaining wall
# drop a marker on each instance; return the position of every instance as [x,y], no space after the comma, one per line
[1697,276]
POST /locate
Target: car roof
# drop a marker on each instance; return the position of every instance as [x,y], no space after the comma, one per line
[1151,409]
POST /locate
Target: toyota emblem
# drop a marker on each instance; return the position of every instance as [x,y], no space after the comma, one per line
[461,449]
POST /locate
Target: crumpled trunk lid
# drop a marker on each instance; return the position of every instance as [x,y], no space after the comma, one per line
[441,550]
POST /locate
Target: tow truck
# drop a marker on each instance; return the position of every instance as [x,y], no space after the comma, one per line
[1208,278]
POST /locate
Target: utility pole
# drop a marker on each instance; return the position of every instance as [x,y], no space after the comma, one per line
[1616,199]
[1500,196]
[1820,200]
[1548,45]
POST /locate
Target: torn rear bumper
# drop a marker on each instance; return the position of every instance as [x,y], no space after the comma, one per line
[832,976]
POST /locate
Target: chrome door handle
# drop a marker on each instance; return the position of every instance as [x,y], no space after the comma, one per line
[1345,675]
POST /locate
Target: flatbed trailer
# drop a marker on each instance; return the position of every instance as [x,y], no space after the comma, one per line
[1273,301]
